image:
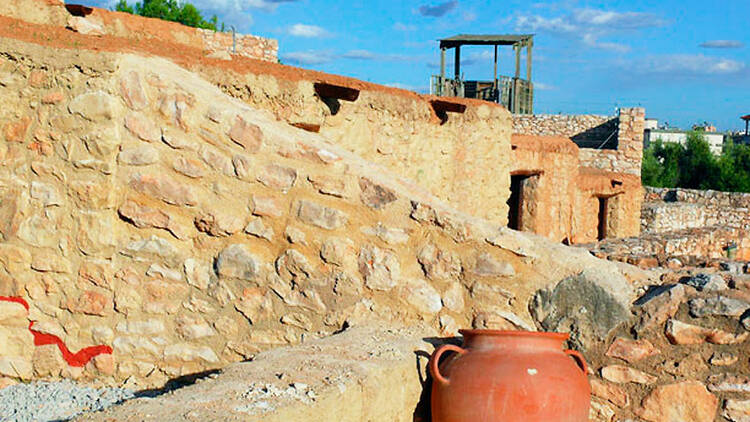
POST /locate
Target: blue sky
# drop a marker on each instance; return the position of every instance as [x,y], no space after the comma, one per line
[686,61]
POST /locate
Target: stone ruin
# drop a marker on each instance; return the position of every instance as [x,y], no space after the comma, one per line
[307,239]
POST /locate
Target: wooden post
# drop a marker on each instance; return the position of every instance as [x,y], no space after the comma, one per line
[747,127]
[495,79]
[457,69]
[457,63]
[517,48]
[441,82]
[529,45]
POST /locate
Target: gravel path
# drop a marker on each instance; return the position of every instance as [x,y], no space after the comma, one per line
[55,401]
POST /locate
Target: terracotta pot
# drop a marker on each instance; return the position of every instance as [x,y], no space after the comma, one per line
[509,376]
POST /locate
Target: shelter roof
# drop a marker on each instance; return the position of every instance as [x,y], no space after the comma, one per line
[465,39]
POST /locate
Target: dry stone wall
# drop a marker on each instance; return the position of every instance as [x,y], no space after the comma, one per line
[145,211]
[100,22]
[667,210]
[247,45]
[465,160]
[627,157]
[584,126]
[613,144]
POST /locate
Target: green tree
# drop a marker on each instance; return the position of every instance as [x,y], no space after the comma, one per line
[661,164]
[699,168]
[694,166]
[651,168]
[123,6]
[169,10]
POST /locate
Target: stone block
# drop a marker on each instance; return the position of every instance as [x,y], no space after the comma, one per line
[320,216]
[236,261]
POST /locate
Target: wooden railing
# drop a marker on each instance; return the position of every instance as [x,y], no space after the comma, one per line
[516,94]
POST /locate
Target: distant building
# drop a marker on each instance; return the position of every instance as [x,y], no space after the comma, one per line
[670,135]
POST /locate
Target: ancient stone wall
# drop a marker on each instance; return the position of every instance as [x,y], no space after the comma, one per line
[667,210]
[96,21]
[550,194]
[561,199]
[464,159]
[621,195]
[686,246]
[252,46]
[154,233]
[44,12]
[627,157]
[613,144]
[584,127]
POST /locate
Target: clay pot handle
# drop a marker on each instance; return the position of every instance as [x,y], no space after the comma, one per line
[435,359]
[579,359]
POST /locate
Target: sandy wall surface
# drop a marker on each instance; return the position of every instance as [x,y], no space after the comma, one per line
[186,234]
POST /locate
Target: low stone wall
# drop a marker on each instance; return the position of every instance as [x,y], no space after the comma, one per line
[613,144]
[666,210]
[43,12]
[98,22]
[252,46]
[214,43]
[656,249]
[582,126]
[627,156]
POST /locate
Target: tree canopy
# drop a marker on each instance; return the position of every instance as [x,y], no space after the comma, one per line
[169,10]
[693,166]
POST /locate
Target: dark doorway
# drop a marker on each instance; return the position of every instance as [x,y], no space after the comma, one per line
[603,211]
[515,202]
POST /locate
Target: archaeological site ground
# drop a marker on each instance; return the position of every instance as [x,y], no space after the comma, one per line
[229,238]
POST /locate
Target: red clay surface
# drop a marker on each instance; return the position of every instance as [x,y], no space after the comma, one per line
[59,37]
[81,358]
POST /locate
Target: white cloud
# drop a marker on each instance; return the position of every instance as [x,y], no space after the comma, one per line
[307,31]
[680,65]
[591,41]
[369,55]
[359,55]
[268,5]
[590,25]
[402,27]
[723,44]
[539,86]
[309,57]
[239,5]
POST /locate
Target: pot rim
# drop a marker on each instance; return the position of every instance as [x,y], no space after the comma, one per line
[505,333]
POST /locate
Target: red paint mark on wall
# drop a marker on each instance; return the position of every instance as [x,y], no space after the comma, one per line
[81,358]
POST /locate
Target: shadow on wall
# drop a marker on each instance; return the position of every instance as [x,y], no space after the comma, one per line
[603,136]
[423,412]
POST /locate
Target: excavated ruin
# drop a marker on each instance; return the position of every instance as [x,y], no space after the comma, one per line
[295,244]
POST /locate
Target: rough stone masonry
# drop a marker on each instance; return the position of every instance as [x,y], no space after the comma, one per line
[188,234]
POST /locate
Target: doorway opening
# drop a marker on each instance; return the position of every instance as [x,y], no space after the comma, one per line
[603,211]
[521,186]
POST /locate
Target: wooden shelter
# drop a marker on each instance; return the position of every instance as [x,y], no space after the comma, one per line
[516,93]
